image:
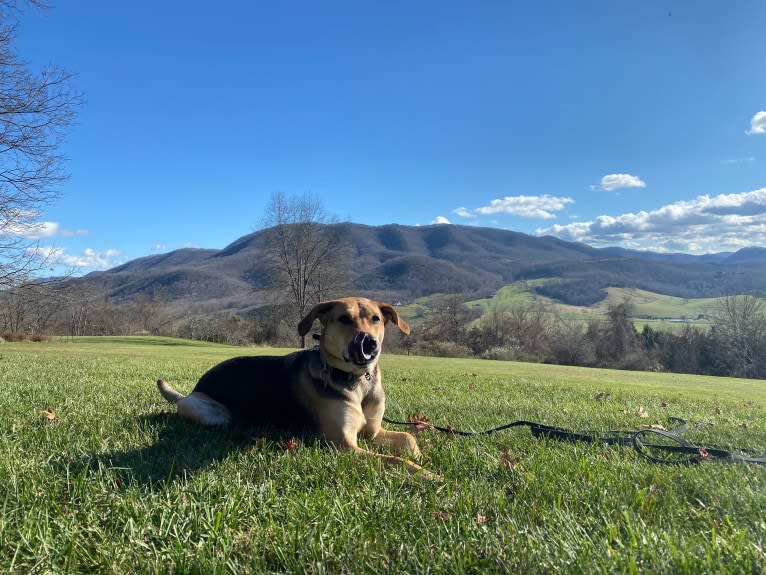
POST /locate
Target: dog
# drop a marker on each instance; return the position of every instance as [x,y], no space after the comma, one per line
[334,390]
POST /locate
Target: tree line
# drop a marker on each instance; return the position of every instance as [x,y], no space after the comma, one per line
[734,344]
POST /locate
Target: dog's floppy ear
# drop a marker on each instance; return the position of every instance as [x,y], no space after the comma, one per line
[318,311]
[390,314]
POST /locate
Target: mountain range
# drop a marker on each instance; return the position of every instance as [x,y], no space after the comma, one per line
[400,263]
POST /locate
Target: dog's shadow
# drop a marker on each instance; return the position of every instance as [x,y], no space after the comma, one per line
[180,448]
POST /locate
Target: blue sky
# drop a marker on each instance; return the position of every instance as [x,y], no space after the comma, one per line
[633,123]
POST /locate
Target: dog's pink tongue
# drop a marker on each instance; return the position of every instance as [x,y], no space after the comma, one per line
[356,349]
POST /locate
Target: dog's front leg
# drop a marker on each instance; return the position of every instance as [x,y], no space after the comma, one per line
[341,427]
[401,441]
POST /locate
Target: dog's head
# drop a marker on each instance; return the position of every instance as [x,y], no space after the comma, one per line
[353,329]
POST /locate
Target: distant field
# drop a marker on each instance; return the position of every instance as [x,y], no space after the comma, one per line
[97,474]
[659,311]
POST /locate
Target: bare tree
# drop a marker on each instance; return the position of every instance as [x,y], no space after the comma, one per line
[739,330]
[305,253]
[36,111]
[28,309]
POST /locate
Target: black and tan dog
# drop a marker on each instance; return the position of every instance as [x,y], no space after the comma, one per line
[335,390]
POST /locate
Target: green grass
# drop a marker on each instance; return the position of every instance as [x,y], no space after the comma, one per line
[116,483]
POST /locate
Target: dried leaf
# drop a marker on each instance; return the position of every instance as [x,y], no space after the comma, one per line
[507,461]
[642,412]
[418,422]
[419,427]
[602,395]
[718,411]
[291,444]
[440,515]
[702,453]
[663,405]
[481,519]
[413,417]
[657,426]
[48,414]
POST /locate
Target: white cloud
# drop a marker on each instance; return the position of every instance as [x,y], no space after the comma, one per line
[29,230]
[89,258]
[735,161]
[612,182]
[463,213]
[705,224]
[23,226]
[524,206]
[440,220]
[757,124]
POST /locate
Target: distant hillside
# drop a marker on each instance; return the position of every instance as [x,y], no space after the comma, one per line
[404,262]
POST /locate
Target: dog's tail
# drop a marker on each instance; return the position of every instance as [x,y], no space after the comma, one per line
[168,392]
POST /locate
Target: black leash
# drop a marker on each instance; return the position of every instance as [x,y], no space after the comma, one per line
[657,445]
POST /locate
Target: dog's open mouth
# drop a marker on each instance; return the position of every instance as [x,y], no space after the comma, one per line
[363,349]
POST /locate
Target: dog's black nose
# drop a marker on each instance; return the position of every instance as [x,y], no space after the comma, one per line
[363,348]
[369,345]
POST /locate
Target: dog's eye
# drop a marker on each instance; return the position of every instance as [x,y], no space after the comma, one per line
[345,320]
[375,319]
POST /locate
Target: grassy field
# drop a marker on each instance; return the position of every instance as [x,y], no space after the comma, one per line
[98,475]
[645,305]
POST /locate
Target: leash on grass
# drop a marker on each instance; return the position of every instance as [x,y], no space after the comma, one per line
[656,445]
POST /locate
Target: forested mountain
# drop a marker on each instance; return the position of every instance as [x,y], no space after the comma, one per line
[400,263]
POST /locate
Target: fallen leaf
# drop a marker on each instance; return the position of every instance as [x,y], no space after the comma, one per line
[481,519]
[642,412]
[418,422]
[419,427]
[744,425]
[602,395]
[657,426]
[663,405]
[507,461]
[702,453]
[440,515]
[718,411]
[48,414]
[291,444]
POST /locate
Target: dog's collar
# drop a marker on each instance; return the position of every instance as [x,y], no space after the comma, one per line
[332,376]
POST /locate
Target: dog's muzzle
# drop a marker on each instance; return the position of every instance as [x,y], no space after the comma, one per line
[363,348]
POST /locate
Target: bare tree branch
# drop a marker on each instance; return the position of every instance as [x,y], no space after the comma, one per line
[304,252]
[37,109]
